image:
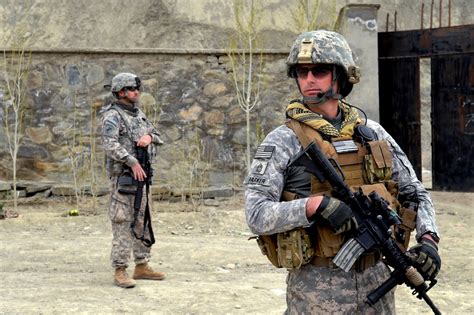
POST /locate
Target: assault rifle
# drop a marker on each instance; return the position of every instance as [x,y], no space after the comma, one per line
[374,218]
[144,160]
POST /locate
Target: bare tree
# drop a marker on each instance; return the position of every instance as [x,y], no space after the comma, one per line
[82,155]
[306,16]
[16,68]
[245,62]
[94,164]
[75,151]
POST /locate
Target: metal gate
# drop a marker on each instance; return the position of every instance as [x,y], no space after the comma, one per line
[451,50]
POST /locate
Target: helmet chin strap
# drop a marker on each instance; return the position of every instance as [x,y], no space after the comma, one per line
[320,98]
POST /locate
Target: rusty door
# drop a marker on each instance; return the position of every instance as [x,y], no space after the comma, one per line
[452,99]
[400,105]
[452,95]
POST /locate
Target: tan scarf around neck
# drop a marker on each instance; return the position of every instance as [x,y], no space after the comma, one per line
[316,121]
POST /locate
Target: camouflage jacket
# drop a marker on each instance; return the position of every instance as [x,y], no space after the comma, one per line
[266,214]
[122,127]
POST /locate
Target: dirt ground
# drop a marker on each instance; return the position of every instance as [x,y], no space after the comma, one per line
[56,264]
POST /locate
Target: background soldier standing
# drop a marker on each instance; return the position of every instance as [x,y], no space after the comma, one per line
[124,126]
[301,217]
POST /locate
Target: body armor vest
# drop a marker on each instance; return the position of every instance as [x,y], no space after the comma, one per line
[368,167]
[135,124]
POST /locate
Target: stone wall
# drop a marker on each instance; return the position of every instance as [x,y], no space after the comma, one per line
[190,98]
[177,49]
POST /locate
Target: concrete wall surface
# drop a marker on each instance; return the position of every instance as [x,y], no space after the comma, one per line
[189,24]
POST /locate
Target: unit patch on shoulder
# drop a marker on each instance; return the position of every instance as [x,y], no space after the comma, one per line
[110,128]
[257,180]
[264,152]
[259,167]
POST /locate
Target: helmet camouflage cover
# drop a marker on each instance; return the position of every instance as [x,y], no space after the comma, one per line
[123,80]
[323,47]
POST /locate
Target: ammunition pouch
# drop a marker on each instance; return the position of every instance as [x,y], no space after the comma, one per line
[126,184]
[294,248]
[378,164]
[382,191]
[290,249]
[403,231]
[407,212]
[269,247]
[327,242]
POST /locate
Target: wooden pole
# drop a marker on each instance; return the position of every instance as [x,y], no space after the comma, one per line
[395,22]
[421,15]
[440,12]
[431,15]
[449,13]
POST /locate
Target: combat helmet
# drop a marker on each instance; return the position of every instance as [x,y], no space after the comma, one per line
[325,47]
[124,80]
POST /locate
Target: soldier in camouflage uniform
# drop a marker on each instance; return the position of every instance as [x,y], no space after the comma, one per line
[124,125]
[281,198]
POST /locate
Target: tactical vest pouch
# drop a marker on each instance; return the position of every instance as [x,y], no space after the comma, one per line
[403,231]
[378,164]
[268,246]
[327,243]
[407,212]
[382,191]
[294,248]
[126,184]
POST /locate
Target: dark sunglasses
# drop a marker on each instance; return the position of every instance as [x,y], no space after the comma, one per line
[317,71]
[132,88]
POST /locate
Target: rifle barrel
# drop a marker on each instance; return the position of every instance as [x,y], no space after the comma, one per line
[428,301]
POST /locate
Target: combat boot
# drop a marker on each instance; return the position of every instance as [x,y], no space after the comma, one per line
[122,279]
[144,271]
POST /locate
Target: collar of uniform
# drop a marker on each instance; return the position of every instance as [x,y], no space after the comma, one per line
[336,121]
[129,109]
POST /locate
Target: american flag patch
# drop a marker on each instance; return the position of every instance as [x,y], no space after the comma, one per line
[264,152]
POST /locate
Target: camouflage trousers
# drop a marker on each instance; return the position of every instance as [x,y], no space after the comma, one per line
[323,290]
[124,242]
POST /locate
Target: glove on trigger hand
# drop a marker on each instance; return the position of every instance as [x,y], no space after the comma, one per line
[426,258]
[336,214]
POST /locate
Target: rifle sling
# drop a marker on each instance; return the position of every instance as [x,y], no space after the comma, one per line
[146,219]
[296,127]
